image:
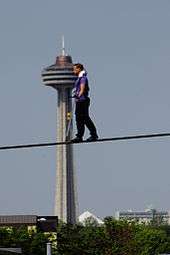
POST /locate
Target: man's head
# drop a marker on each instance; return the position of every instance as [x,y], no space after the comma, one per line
[77,68]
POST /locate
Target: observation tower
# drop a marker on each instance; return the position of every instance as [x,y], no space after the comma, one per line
[60,76]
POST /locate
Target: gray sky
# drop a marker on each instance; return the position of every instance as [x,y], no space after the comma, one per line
[125,46]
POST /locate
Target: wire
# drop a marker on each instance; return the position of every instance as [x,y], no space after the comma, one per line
[119,138]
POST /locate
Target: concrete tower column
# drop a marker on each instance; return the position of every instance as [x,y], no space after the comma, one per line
[61,77]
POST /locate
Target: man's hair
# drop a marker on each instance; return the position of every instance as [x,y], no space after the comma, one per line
[78,65]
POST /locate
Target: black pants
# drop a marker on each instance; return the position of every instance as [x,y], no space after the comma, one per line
[83,119]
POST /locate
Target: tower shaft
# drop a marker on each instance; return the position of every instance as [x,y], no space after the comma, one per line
[65,196]
[60,76]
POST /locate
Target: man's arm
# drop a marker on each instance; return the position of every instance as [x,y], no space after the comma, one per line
[82,89]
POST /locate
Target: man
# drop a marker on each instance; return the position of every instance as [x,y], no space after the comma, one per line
[82,102]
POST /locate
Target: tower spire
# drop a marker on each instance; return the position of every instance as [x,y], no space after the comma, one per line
[63,46]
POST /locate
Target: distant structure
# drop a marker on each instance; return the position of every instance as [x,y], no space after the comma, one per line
[43,223]
[88,217]
[60,76]
[147,216]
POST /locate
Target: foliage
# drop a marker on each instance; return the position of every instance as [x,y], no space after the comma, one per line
[151,241]
[30,242]
[111,238]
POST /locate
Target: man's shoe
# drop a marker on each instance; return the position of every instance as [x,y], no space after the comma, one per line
[92,139]
[77,140]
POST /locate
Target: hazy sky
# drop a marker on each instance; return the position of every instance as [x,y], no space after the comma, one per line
[125,46]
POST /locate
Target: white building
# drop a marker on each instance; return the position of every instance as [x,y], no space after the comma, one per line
[144,216]
[88,217]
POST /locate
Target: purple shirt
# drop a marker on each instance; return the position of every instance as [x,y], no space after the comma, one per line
[81,80]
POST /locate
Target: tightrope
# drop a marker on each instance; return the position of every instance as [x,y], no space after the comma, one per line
[119,138]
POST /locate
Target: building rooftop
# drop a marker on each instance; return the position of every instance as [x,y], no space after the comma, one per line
[89,216]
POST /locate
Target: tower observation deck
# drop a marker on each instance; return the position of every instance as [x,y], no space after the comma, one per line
[60,76]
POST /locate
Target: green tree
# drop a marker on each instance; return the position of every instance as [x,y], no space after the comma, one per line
[30,242]
[151,241]
[111,238]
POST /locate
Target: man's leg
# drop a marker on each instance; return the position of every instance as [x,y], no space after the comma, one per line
[88,122]
[80,119]
[80,126]
[90,125]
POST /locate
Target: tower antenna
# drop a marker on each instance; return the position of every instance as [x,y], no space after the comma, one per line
[63,46]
